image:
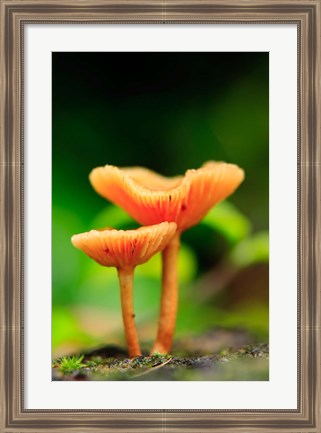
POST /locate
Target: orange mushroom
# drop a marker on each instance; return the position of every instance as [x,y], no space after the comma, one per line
[125,250]
[151,198]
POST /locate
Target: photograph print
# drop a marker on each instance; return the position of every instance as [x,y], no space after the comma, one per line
[160,216]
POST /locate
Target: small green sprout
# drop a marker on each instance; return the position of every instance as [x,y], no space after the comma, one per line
[69,364]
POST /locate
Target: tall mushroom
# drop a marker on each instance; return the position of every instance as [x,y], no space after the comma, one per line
[151,198]
[125,250]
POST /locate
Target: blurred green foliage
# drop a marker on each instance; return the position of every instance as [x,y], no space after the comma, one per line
[168,112]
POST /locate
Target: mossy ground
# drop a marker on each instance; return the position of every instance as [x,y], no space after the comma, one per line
[250,362]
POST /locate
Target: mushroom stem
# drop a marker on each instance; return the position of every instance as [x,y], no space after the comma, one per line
[169,297]
[126,294]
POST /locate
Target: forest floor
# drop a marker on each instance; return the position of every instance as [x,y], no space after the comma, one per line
[191,359]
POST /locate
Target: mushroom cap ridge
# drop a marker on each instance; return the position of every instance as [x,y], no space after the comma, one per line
[124,249]
[151,198]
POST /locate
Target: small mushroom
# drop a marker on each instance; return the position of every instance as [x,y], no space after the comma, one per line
[125,250]
[151,198]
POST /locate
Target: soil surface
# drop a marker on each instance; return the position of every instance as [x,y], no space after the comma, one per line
[197,361]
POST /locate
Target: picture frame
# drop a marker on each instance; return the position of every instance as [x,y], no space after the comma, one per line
[305,14]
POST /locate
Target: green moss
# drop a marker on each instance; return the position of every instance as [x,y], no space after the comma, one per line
[68,364]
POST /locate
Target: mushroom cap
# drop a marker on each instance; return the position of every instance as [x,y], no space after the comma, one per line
[151,198]
[124,249]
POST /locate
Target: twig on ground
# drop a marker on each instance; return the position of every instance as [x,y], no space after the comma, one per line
[153,368]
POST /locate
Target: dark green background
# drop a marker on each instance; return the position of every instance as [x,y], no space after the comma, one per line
[169,112]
